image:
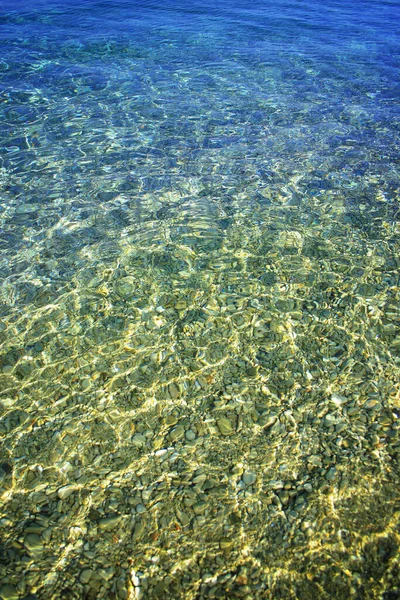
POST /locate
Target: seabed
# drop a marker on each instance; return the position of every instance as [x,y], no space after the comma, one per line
[200,330]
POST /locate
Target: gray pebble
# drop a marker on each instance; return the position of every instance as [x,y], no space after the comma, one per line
[331,474]
[85,576]
[109,523]
[65,491]
[177,433]
[200,507]
[139,530]
[249,478]
[9,592]
[138,440]
[33,541]
[330,420]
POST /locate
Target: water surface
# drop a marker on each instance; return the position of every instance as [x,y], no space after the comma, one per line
[199,299]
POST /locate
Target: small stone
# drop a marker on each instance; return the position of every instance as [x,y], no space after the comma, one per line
[125,287]
[180,305]
[315,460]
[200,507]
[329,420]
[226,543]
[276,484]
[106,574]
[139,530]
[9,592]
[225,426]
[331,474]
[46,535]
[373,405]
[161,454]
[34,527]
[183,517]
[284,496]
[86,576]
[300,501]
[177,433]
[157,442]
[33,541]
[297,315]
[174,390]
[249,478]
[337,400]
[267,419]
[65,491]
[170,420]
[135,579]
[138,440]
[190,435]
[389,329]
[109,522]
[140,509]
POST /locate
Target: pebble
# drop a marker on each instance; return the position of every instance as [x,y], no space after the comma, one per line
[373,405]
[109,522]
[181,305]
[138,440]
[329,420]
[174,390]
[200,507]
[161,453]
[46,535]
[183,517]
[65,491]
[226,543]
[249,478]
[170,420]
[225,426]
[139,530]
[276,484]
[86,576]
[9,592]
[177,433]
[315,460]
[33,541]
[337,400]
[125,287]
[331,474]
[267,419]
[190,435]
[135,579]
[106,574]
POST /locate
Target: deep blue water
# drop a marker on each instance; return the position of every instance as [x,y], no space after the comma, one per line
[230,91]
[101,98]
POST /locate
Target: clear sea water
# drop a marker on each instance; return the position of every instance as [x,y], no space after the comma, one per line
[199,299]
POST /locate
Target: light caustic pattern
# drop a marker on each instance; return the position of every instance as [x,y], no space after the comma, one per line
[200,306]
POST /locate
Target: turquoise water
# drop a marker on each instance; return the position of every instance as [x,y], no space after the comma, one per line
[199,299]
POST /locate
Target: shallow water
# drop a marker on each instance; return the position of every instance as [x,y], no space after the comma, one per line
[199,299]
